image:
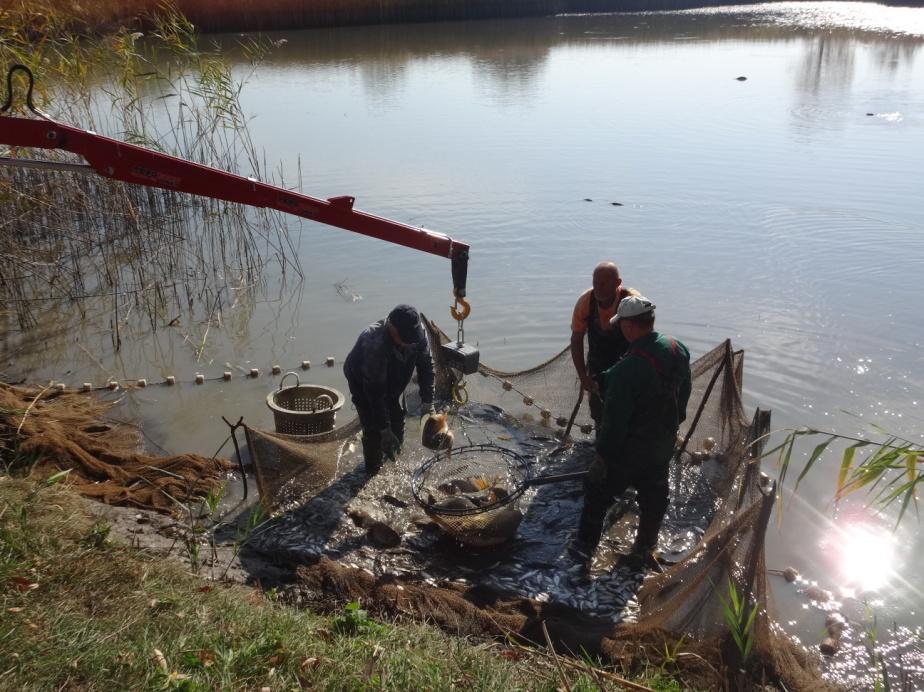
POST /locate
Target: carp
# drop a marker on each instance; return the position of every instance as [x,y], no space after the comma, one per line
[489,496]
[458,503]
[462,485]
[501,526]
[436,434]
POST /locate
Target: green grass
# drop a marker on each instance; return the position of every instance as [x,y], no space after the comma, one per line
[78,612]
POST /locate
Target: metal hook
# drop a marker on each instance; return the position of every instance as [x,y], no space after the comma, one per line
[460,315]
[9,88]
[9,91]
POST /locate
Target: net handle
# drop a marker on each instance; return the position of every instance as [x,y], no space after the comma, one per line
[558,478]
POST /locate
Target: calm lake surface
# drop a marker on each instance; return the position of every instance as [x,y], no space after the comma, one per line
[784,211]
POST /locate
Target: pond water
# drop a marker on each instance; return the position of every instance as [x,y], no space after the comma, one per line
[783,211]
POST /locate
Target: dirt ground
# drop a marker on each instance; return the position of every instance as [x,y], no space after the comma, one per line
[169,536]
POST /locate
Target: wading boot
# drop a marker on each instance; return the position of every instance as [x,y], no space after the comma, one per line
[582,552]
[372,451]
[642,554]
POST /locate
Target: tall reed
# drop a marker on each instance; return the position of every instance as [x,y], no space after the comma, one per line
[79,247]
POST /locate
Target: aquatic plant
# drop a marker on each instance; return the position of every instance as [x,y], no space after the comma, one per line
[81,249]
[740,615]
[889,471]
[871,641]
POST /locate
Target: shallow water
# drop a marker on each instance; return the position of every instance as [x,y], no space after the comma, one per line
[783,211]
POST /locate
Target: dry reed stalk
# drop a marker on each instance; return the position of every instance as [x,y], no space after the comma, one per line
[29,408]
[554,656]
[81,241]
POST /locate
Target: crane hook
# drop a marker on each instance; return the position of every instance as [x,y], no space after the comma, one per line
[459,393]
[457,314]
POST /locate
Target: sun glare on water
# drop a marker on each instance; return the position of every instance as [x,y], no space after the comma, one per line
[863,555]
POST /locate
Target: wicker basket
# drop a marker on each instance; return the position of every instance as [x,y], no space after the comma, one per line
[304,409]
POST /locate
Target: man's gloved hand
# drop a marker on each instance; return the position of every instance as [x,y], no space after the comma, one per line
[590,384]
[390,443]
[596,474]
[426,410]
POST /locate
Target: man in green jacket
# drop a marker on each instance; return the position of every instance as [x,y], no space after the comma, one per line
[645,400]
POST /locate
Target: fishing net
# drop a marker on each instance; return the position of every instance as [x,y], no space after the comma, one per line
[48,431]
[288,467]
[472,492]
[718,494]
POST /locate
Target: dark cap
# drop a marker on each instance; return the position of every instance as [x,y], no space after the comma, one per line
[406,320]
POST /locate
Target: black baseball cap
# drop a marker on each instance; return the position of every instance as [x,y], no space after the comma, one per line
[406,320]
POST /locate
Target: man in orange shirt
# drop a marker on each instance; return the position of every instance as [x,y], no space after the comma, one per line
[605,343]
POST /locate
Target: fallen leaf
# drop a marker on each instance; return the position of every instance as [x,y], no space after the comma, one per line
[15,610]
[160,659]
[511,654]
[205,589]
[310,663]
[23,583]
[324,634]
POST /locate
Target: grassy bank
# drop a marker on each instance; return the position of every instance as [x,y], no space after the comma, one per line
[78,612]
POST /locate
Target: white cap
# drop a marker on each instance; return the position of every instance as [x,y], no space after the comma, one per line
[633,306]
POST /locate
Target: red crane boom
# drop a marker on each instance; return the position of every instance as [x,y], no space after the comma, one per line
[129,163]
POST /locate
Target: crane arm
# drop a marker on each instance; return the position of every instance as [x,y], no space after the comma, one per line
[130,163]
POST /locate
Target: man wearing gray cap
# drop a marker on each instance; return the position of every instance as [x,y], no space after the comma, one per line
[377,370]
[646,397]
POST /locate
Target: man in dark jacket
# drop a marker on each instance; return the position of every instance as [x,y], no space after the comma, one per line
[377,370]
[646,400]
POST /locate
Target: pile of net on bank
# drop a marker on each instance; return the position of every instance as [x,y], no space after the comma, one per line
[46,431]
[529,581]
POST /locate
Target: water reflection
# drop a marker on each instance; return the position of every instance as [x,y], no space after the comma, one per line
[511,55]
[890,55]
[828,63]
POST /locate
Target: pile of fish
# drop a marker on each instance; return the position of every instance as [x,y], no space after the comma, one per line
[473,511]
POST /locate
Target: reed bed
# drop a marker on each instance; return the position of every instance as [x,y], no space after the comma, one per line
[259,15]
[137,257]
